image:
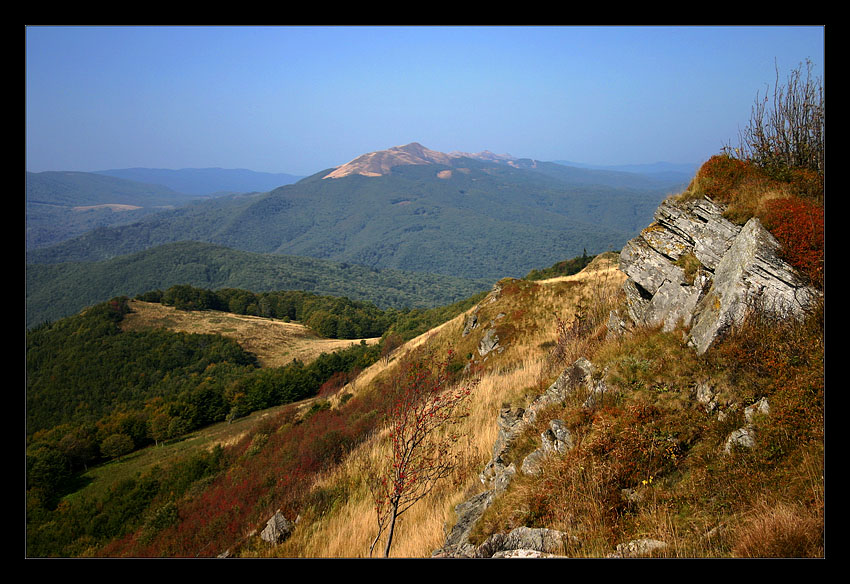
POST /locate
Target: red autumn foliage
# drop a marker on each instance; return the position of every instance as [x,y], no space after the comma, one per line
[798,224]
[425,404]
[336,382]
[721,176]
[275,476]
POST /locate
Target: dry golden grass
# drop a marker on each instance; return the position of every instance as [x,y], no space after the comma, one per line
[780,531]
[743,187]
[523,313]
[573,493]
[274,342]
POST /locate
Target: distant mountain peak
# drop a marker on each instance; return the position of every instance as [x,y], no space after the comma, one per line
[484,155]
[382,161]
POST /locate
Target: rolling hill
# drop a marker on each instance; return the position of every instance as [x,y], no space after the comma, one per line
[61,205]
[413,209]
[57,290]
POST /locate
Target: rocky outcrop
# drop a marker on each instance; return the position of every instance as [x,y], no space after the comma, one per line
[557,439]
[581,375]
[745,437]
[489,342]
[639,548]
[524,542]
[691,268]
[694,268]
[580,378]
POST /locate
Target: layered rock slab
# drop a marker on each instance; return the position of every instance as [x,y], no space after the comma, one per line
[694,268]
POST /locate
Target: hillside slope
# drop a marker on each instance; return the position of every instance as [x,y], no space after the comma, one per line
[275,343]
[588,434]
[206,182]
[424,211]
[63,205]
[58,290]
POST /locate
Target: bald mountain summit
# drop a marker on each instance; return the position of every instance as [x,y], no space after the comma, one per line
[409,208]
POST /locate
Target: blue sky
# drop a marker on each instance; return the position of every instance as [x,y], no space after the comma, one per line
[302,99]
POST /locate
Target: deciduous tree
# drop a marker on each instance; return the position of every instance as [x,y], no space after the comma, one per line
[426,406]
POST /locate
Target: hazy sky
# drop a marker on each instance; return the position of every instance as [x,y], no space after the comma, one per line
[302,99]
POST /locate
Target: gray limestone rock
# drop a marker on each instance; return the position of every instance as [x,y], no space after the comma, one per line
[471,324]
[528,539]
[638,548]
[735,267]
[457,543]
[277,529]
[489,342]
[751,271]
[760,408]
[556,439]
[705,396]
[740,438]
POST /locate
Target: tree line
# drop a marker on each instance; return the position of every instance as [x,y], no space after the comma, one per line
[329,316]
[95,393]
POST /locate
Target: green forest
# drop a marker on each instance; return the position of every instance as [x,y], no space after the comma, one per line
[95,392]
[54,291]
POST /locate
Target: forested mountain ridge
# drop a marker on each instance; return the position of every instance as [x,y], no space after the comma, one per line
[206,181]
[63,204]
[459,216]
[54,291]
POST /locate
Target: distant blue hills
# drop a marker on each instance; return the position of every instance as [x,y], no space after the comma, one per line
[206,181]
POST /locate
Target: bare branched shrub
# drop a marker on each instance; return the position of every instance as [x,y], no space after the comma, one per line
[787,131]
[426,407]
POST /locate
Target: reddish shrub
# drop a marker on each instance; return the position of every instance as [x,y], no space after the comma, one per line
[722,176]
[798,225]
[336,382]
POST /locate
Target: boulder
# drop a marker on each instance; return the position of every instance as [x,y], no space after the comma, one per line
[277,529]
[556,439]
[740,438]
[638,548]
[750,271]
[525,541]
[489,342]
[746,437]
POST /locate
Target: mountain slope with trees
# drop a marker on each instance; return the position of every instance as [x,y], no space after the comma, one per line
[206,182]
[463,217]
[61,205]
[57,290]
